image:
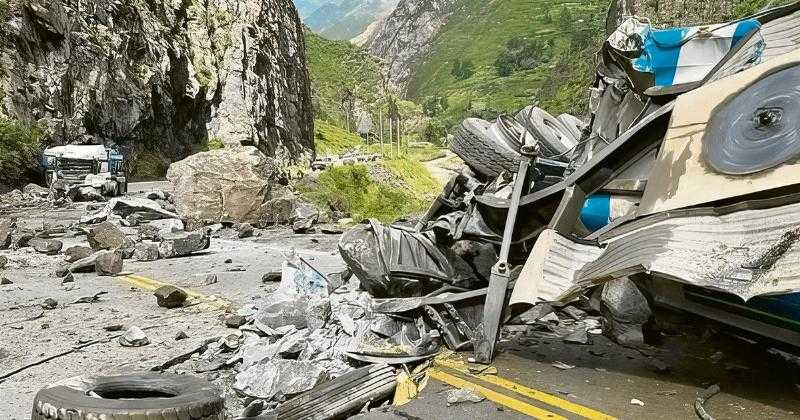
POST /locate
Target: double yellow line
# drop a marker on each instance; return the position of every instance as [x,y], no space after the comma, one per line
[147,283]
[440,372]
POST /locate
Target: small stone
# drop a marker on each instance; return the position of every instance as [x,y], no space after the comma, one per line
[170,297]
[50,303]
[4,281]
[46,246]
[234,321]
[62,270]
[210,279]
[634,401]
[271,277]
[245,230]
[113,327]
[457,396]
[69,278]
[181,335]
[228,261]
[134,337]
[3,261]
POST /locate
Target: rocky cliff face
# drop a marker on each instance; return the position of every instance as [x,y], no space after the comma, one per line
[665,13]
[404,37]
[160,77]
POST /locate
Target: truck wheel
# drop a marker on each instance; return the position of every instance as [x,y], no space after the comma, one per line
[129,397]
[481,151]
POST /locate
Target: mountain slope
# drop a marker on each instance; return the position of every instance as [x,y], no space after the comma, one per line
[346,19]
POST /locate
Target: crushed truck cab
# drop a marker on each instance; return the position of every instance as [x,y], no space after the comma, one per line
[86,166]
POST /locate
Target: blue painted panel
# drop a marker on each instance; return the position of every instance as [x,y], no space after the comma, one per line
[596,212]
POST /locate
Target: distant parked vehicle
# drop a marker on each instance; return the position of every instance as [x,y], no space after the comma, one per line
[86,165]
[323,163]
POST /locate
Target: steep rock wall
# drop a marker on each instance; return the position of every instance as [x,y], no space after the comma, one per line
[160,77]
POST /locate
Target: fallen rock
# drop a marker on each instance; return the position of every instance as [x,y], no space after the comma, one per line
[68,278]
[170,297]
[183,243]
[271,277]
[457,396]
[3,261]
[46,246]
[269,378]
[49,303]
[181,335]
[226,184]
[245,230]
[145,251]
[6,231]
[22,239]
[625,310]
[4,281]
[113,327]
[108,263]
[157,195]
[36,190]
[134,337]
[234,320]
[141,209]
[107,235]
[77,252]
[210,279]
[167,226]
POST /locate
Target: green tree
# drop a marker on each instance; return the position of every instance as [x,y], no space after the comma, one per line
[434,132]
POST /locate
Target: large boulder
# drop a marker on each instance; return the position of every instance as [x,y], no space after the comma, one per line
[223,185]
[107,235]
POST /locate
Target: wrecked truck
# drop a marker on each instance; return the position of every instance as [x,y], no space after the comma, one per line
[684,183]
[93,166]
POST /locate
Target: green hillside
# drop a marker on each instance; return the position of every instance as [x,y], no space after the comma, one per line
[511,49]
[341,76]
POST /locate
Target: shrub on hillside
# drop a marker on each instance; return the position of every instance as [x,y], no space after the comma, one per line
[463,69]
[521,54]
[20,145]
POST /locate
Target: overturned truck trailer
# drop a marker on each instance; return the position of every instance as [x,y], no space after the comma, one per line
[714,148]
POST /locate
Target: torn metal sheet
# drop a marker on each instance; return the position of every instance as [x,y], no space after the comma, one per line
[399,305]
[681,176]
[343,395]
[746,253]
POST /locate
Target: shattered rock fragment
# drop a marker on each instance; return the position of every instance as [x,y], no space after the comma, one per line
[170,297]
[3,261]
[210,279]
[456,396]
[108,263]
[134,337]
[68,278]
[181,335]
[145,251]
[180,244]
[625,310]
[46,246]
[22,239]
[77,252]
[125,207]
[167,226]
[4,281]
[113,327]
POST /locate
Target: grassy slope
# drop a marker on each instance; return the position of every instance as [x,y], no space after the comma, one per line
[336,68]
[479,32]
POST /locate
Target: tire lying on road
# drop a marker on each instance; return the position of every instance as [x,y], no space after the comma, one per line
[482,151]
[127,397]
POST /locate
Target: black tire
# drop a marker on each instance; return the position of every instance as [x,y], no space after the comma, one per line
[484,154]
[154,397]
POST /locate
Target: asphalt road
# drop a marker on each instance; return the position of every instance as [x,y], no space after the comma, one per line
[605,377]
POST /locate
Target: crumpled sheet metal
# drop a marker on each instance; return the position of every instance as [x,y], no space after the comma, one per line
[681,176]
[746,253]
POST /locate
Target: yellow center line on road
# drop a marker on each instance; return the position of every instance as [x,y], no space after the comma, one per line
[494,396]
[147,283]
[525,391]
